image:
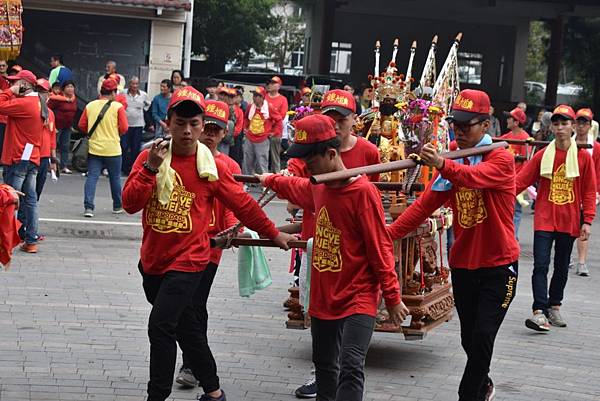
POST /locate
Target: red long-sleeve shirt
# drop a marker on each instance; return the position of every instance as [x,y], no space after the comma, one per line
[48,136]
[364,153]
[64,110]
[560,201]
[278,107]
[175,235]
[515,149]
[352,252]
[596,160]
[221,218]
[24,125]
[4,84]
[9,225]
[482,199]
[239,121]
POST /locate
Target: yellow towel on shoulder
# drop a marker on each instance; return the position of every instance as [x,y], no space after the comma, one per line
[572,166]
[205,163]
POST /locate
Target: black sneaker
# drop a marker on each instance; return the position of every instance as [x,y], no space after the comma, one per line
[186,378]
[206,397]
[491,391]
[308,389]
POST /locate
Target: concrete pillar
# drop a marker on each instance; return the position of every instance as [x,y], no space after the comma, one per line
[554,59]
[517,91]
[320,34]
[166,44]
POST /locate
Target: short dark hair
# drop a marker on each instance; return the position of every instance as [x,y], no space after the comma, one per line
[106,92]
[64,84]
[186,109]
[321,148]
[239,88]
[167,82]
[211,83]
[57,57]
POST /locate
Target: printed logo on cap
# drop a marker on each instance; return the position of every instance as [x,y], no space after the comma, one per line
[300,136]
[463,103]
[215,110]
[337,99]
[188,94]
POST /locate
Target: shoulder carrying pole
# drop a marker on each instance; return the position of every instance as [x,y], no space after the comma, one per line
[400,164]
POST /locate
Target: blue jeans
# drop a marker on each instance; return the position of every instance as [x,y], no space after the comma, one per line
[517,218]
[131,143]
[95,166]
[543,298]
[22,177]
[64,145]
[40,180]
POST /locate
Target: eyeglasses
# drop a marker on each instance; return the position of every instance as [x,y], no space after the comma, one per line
[464,127]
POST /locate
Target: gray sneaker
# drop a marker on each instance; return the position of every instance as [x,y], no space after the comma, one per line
[538,322]
[571,264]
[88,213]
[186,378]
[582,269]
[555,318]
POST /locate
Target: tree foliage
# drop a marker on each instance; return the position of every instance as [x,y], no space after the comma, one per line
[539,39]
[227,30]
[582,53]
[285,35]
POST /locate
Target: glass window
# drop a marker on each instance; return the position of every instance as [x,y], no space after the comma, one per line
[470,66]
[341,57]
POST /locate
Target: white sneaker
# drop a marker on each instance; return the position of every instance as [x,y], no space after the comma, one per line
[582,270]
[88,213]
[538,322]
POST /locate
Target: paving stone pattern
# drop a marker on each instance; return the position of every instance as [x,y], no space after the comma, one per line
[73,327]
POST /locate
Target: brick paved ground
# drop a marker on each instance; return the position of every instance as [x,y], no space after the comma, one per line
[73,317]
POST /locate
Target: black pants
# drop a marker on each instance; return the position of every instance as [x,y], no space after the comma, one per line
[172,320]
[236,152]
[544,297]
[209,381]
[482,298]
[339,350]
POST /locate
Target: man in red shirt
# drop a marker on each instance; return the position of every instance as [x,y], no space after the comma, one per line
[237,150]
[175,183]
[351,259]
[257,125]
[481,193]
[215,125]
[278,107]
[564,210]
[21,152]
[514,122]
[583,125]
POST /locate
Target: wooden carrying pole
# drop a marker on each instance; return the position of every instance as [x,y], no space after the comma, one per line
[246,240]
[535,143]
[400,164]
[382,186]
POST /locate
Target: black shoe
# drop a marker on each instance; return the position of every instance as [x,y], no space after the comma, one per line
[308,389]
[186,378]
[206,397]
[491,391]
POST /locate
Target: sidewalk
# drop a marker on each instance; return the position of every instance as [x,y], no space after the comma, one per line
[73,327]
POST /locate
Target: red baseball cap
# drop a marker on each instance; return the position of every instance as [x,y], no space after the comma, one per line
[585,114]
[25,75]
[517,114]
[216,113]
[276,79]
[109,85]
[470,103]
[43,84]
[305,91]
[563,110]
[260,91]
[338,100]
[310,131]
[185,94]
